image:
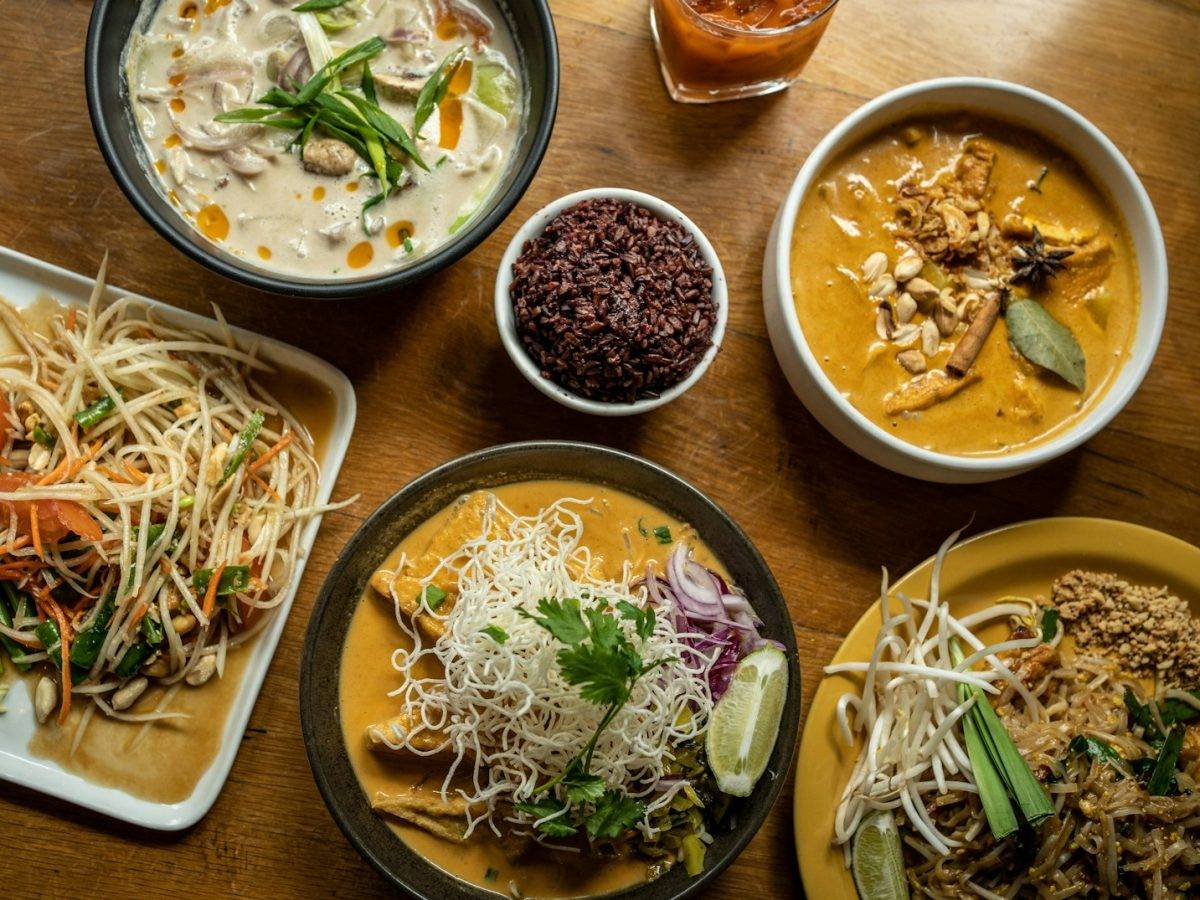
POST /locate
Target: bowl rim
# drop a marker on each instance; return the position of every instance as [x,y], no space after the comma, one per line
[787,741]
[506,321]
[175,231]
[1115,397]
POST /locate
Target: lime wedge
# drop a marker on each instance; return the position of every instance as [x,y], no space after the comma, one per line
[745,721]
[877,863]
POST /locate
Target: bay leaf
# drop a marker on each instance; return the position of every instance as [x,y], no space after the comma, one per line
[1045,341]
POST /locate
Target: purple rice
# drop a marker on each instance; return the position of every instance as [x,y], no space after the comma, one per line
[612,302]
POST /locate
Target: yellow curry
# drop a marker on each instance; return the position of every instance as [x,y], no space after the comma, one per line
[965,284]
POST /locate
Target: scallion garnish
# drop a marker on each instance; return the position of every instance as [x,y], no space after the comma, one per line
[1001,773]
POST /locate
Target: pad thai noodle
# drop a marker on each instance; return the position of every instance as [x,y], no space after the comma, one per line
[1113,810]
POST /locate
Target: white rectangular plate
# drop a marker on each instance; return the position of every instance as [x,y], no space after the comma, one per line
[23,280]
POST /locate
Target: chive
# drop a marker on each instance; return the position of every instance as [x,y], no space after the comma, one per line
[97,412]
[368,83]
[642,528]
[432,597]
[996,805]
[317,5]
[234,580]
[663,534]
[358,53]
[435,89]
[408,245]
[386,126]
[1050,616]
[43,437]
[1008,770]
[1099,751]
[1162,781]
[245,440]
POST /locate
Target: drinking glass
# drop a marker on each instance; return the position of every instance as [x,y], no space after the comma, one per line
[712,50]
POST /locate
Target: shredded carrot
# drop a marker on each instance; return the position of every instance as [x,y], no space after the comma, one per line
[266,487]
[67,470]
[53,475]
[136,474]
[111,475]
[15,545]
[48,384]
[139,613]
[72,319]
[275,448]
[35,530]
[210,595]
[64,651]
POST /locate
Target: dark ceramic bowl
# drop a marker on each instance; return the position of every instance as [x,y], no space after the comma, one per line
[322,654]
[121,144]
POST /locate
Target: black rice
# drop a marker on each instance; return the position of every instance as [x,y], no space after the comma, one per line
[612,302]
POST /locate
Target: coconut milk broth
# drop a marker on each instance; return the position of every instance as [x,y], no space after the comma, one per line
[193,59]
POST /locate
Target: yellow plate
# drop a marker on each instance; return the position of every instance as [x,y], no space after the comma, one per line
[1019,559]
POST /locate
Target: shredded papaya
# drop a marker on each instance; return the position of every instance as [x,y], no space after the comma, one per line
[210,595]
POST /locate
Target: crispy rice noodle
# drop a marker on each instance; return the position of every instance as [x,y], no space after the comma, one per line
[1110,838]
[510,722]
[70,513]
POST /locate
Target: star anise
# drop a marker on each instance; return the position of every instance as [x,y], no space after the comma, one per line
[1033,263]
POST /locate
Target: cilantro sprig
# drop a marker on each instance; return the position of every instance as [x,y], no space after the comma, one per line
[599,659]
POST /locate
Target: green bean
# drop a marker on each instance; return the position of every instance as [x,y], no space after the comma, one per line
[245,440]
[97,412]
[47,632]
[86,646]
[234,580]
[133,658]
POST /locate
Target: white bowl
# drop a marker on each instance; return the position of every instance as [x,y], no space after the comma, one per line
[1044,115]
[506,321]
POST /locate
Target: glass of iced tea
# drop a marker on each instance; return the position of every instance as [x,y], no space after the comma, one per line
[714,50]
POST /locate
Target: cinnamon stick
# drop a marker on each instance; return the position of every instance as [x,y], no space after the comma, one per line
[974,337]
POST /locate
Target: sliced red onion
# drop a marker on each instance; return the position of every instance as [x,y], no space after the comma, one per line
[694,586]
[296,71]
[406,36]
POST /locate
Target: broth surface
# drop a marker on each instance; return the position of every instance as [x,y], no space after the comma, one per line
[1013,405]
[367,676]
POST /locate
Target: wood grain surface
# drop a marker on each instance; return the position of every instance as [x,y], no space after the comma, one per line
[433,381]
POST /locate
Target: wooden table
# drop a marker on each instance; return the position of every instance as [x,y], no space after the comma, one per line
[433,381]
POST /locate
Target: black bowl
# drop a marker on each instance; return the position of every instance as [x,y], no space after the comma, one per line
[387,527]
[121,144]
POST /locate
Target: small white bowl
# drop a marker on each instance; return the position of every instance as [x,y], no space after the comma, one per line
[1044,115]
[506,320]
